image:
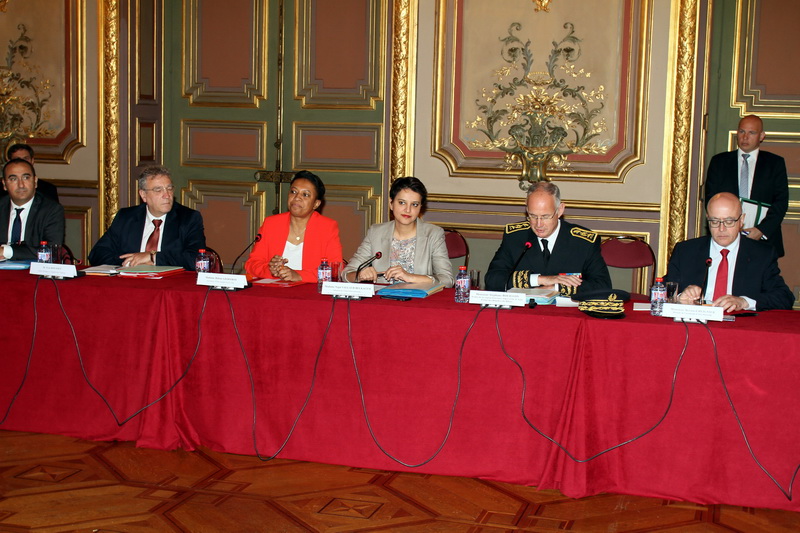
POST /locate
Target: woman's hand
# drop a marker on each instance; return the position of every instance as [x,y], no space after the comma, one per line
[275,264]
[396,273]
[287,274]
[368,274]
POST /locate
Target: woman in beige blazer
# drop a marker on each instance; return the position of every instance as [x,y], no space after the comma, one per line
[411,250]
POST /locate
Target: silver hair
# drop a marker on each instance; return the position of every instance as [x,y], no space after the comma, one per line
[548,187]
[152,172]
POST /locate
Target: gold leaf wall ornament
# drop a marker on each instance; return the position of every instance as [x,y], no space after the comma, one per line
[539,118]
[542,5]
[24,95]
[3,5]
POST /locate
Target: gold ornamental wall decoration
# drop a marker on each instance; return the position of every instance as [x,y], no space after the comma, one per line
[540,118]
[542,5]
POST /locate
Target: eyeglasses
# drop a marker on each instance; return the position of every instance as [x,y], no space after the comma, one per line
[159,190]
[543,218]
[728,222]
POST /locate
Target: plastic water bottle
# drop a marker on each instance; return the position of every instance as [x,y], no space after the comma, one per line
[202,262]
[323,274]
[462,285]
[658,295]
[44,253]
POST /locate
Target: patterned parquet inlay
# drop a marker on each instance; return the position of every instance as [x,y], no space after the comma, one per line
[51,483]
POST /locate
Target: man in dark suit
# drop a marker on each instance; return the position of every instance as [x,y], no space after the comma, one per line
[159,231]
[755,174]
[25,151]
[547,251]
[743,273]
[26,217]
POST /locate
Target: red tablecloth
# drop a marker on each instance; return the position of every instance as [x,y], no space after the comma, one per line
[590,384]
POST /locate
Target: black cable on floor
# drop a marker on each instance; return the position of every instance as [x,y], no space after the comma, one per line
[787,493]
[364,404]
[558,444]
[100,394]
[30,353]
[253,386]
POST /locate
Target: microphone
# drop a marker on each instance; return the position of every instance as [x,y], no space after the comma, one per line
[705,279]
[367,263]
[257,238]
[511,273]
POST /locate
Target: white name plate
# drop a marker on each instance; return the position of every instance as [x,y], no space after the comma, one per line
[348,290]
[497,298]
[56,270]
[227,281]
[693,312]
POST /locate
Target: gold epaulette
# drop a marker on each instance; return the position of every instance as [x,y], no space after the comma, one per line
[581,233]
[517,226]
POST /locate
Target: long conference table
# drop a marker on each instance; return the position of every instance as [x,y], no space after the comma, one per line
[590,384]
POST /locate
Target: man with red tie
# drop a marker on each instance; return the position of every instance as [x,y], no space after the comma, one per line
[159,231]
[738,273]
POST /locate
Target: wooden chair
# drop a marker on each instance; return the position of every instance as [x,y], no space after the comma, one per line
[456,245]
[627,251]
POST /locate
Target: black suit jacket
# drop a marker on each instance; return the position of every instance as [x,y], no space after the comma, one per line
[45,223]
[183,237]
[756,273]
[770,185]
[576,250]
[45,187]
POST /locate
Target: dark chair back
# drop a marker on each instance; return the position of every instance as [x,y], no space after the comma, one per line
[627,251]
[456,245]
[216,262]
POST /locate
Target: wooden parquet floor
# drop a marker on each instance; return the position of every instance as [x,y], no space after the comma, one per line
[51,483]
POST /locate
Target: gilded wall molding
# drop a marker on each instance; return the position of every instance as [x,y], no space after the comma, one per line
[404,44]
[675,192]
[198,192]
[750,97]
[309,88]
[256,130]
[362,196]
[302,160]
[196,86]
[572,204]
[109,144]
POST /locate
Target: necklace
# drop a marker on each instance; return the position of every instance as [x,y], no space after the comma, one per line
[298,237]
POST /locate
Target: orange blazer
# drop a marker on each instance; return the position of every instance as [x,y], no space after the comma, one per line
[321,240]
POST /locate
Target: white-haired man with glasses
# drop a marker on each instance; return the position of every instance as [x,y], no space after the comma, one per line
[739,274]
[159,231]
[546,251]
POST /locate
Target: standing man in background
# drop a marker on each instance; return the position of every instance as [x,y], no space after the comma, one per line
[758,175]
[25,151]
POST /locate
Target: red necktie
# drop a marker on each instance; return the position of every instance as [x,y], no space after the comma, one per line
[721,285]
[152,241]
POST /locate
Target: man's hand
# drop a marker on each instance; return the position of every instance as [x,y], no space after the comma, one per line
[754,233]
[690,294]
[730,303]
[139,258]
[570,281]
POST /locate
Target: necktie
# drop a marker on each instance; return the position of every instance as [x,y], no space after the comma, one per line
[16,227]
[744,177]
[721,285]
[545,252]
[152,241]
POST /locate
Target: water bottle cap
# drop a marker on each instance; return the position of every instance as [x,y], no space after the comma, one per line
[202,250]
[462,267]
[659,280]
[43,243]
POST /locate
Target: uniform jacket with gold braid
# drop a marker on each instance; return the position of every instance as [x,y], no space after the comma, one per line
[576,250]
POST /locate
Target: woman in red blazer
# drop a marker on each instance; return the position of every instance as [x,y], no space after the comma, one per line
[293,244]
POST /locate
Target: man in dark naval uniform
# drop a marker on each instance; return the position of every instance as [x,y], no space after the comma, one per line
[547,251]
